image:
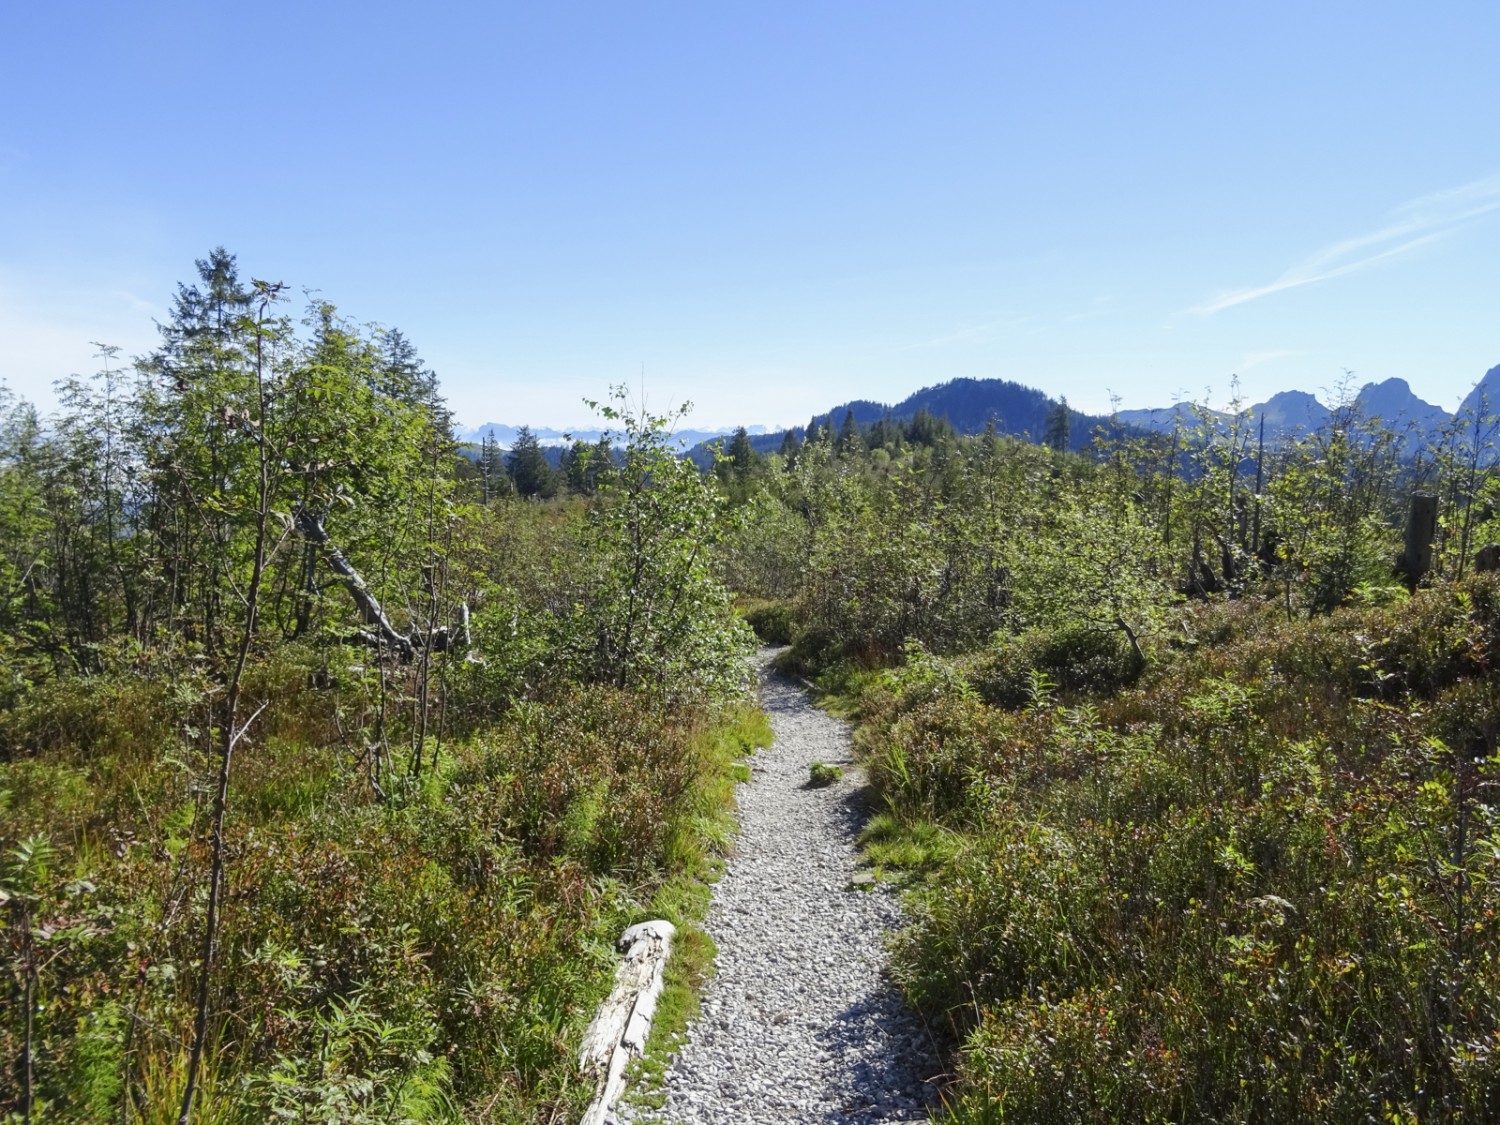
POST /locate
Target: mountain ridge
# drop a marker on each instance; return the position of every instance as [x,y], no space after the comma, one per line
[970,404]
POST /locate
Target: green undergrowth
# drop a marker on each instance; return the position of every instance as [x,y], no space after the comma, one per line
[1258,883]
[432,956]
[903,849]
[684,898]
[821,774]
[774,622]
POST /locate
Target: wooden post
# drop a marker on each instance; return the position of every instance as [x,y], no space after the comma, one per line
[1421,527]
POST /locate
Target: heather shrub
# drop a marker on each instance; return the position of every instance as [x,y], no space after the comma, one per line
[1076,660]
[1258,887]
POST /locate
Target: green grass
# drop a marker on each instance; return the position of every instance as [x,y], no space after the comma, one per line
[431,956]
[890,843]
[774,622]
[821,774]
[703,842]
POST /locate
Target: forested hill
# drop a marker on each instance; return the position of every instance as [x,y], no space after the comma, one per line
[968,405]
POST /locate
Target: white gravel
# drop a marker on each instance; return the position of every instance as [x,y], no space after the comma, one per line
[799,1023]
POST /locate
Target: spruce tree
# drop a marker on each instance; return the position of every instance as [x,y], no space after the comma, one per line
[1059,425]
[528,467]
[492,475]
[848,439]
[789,446]
[742,455]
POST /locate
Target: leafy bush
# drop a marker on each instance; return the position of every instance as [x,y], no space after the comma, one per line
[1257,888]
[1075,660]
[774,623]
[393,960]
[820,774]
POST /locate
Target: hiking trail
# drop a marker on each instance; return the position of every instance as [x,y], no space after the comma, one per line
[799,1023]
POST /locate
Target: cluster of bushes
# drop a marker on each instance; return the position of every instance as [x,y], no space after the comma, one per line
[329,771]
[1202,799]
[430,956]
[1260,885]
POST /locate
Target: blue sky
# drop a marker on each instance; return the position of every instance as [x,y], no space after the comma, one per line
[769,208]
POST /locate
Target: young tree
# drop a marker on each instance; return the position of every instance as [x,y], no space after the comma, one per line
[256,423]
[742,455]
[789,447]
[195,389]
[848,440]
[1331,505]
[492,469]
[1095,564]
[583,466]
[651,614]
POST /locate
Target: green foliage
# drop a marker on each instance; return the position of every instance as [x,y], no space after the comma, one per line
[406,960]
[821,775]
[648,611]
[1028,669]
[775,623]
[1257,888]
[1328,506]
[530,473]
[889,842]
[428,849]
[1184,860]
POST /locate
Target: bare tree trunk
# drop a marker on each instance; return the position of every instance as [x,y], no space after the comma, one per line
[1421,525]
[28,998]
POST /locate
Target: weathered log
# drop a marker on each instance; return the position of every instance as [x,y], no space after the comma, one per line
[620,1027]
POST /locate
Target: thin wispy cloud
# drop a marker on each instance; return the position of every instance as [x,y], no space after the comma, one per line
[1419,223]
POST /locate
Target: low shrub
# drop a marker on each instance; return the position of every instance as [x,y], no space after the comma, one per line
[1256,887]
[821,774]
[1072,661]
[431,956]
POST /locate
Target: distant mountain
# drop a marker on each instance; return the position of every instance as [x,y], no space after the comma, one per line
[971,404]
[1485,397]
[1413,419]
[968,405]
[1290,412]
[1394,403]
[1165,419]
[505,435]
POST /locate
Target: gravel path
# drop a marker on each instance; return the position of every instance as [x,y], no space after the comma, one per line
[799,1023]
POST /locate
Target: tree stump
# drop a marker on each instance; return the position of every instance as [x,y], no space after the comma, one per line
[1421,527]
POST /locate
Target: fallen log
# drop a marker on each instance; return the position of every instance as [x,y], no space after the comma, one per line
[619,1029]
[379,631]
